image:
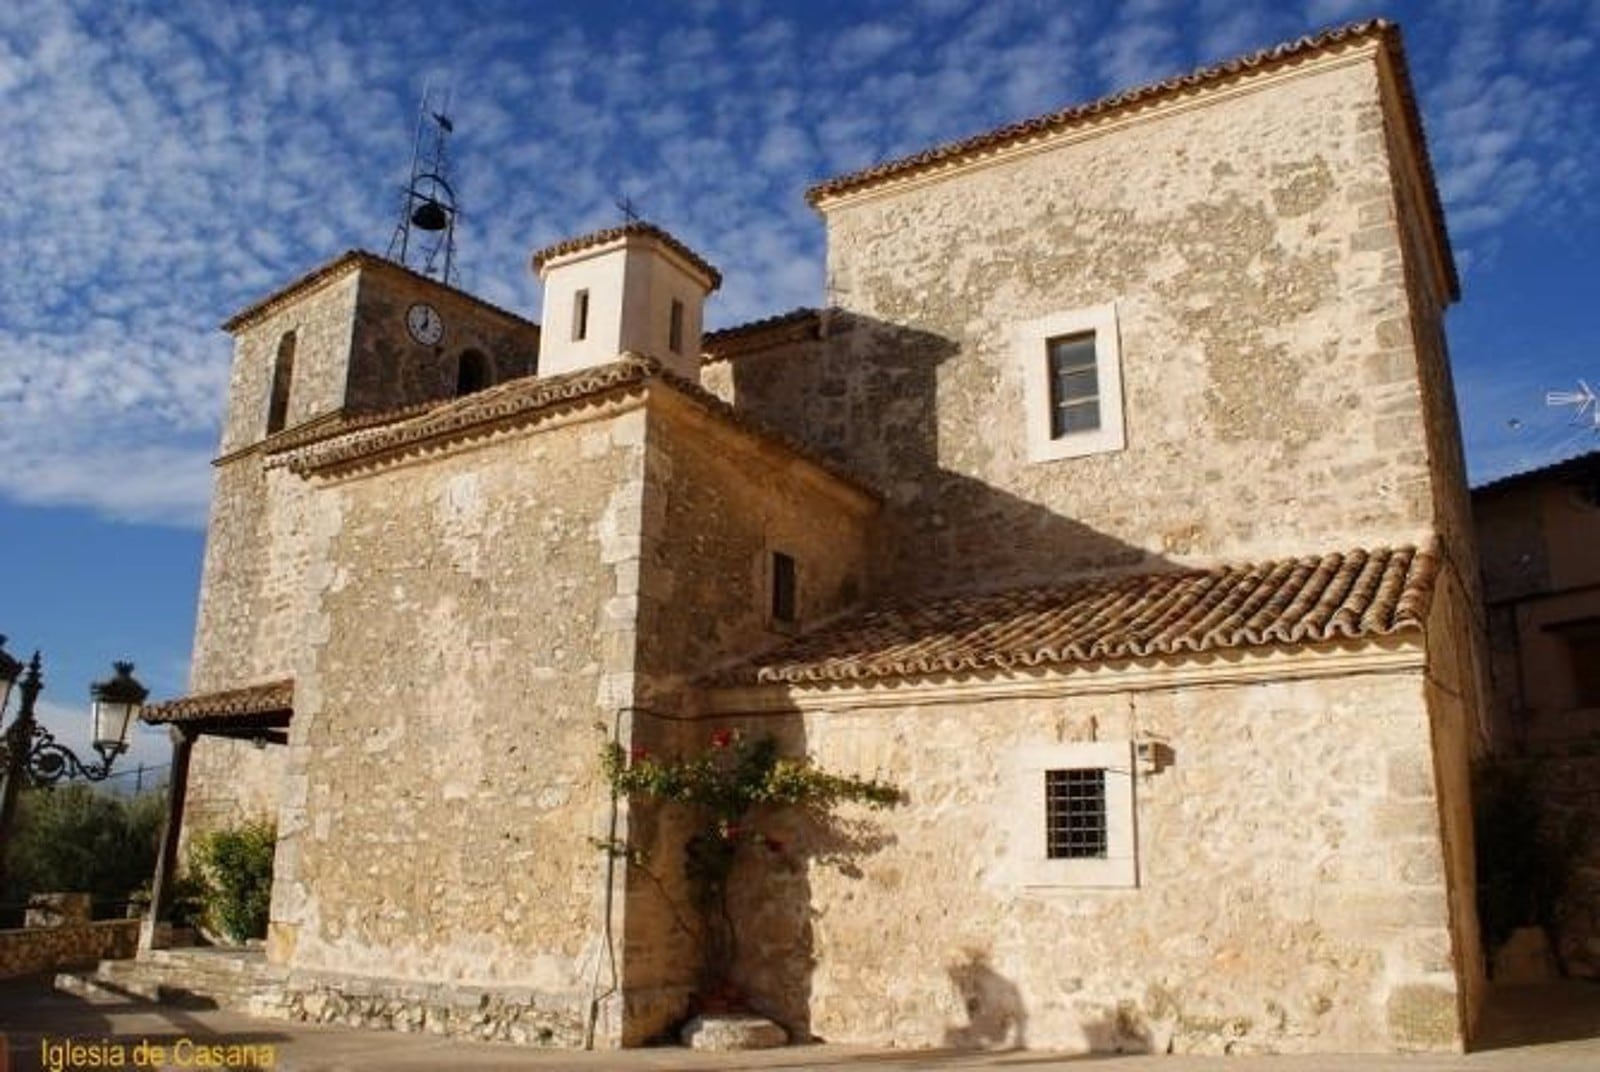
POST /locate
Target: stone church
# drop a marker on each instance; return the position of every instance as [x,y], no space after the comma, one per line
[1112,507]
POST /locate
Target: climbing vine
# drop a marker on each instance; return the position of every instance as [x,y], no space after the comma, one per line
[723,784]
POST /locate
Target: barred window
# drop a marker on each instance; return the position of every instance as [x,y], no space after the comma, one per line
[1075,814]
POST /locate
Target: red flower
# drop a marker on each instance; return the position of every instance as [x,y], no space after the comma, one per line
[721,738]
[732,831]
[639,753]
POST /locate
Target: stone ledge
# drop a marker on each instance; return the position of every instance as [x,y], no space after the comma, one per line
[733,1031]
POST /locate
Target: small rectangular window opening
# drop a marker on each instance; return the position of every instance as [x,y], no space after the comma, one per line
[282,379]
[1074,385]
[783,587]
[675,327]
[580,316]
[1075,814]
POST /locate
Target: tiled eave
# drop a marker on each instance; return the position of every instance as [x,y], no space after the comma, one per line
[531,400]
[951,155]
[634,228]
[251,702]
[1359,595]
[797,325]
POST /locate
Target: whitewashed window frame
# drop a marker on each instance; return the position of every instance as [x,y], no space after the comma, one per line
[1031,347]
[1119,868]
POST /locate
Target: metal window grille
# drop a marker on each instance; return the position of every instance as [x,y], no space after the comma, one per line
[1075,814]
[1074,385]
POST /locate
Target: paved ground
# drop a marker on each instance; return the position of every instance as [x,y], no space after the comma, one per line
[1532,1029]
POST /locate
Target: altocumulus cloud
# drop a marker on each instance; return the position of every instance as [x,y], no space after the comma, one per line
[165,164]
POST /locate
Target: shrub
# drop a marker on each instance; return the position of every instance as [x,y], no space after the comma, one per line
[234,868]
[1527,853]
[73,838]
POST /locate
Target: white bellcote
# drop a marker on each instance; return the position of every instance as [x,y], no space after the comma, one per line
[629,288]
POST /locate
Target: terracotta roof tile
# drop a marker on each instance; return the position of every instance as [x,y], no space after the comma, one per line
[271,697]
[1084,115]
[530,398]
[1353,594]
[760,334]
[611,234]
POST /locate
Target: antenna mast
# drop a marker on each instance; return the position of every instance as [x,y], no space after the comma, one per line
[425,237]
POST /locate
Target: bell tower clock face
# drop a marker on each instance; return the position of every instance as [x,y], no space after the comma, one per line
[425,324]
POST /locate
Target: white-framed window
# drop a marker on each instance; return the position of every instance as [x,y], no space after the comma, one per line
[1071,365]
[1075,815]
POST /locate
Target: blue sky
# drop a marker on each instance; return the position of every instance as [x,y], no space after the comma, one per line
[166,163]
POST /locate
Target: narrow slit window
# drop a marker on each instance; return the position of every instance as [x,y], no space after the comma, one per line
[783,587]
[675,327]
[1074,385]
[282,379]
[580,316]
[472,372]
[1075,814]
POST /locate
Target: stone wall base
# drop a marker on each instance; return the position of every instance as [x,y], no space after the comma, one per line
[519,1016]
[41,949]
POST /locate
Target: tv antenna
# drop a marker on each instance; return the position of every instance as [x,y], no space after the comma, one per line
[1583,398]
[425,237]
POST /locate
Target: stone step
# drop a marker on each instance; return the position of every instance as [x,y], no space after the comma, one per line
[239,982]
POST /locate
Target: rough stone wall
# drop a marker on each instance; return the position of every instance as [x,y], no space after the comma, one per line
[262,545]
[1457,700]
[230,782]
[716,504]
[1272,407]
[30,950]
[388,368]
[1291,890]
[461,644]
[321,321]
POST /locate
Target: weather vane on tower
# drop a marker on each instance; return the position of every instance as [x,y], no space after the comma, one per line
[425,237]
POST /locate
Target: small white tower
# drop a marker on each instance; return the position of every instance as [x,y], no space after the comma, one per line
[628,288]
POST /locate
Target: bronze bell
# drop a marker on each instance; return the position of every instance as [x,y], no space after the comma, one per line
[431,216]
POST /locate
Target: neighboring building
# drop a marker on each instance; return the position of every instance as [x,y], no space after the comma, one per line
[977,527]
[1537,533]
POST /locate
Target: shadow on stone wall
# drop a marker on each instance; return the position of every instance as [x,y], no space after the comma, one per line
[771,897]
[868,395]
[996,1016]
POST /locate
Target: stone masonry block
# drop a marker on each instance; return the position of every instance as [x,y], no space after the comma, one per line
[1423,1016]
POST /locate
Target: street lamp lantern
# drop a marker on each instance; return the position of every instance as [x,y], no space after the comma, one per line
[30,754]
[116,701]
[10,670]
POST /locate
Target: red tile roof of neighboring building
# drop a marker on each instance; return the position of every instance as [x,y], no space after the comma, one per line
[1348,595]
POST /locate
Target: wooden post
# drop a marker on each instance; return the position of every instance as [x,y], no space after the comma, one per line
[167,862]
